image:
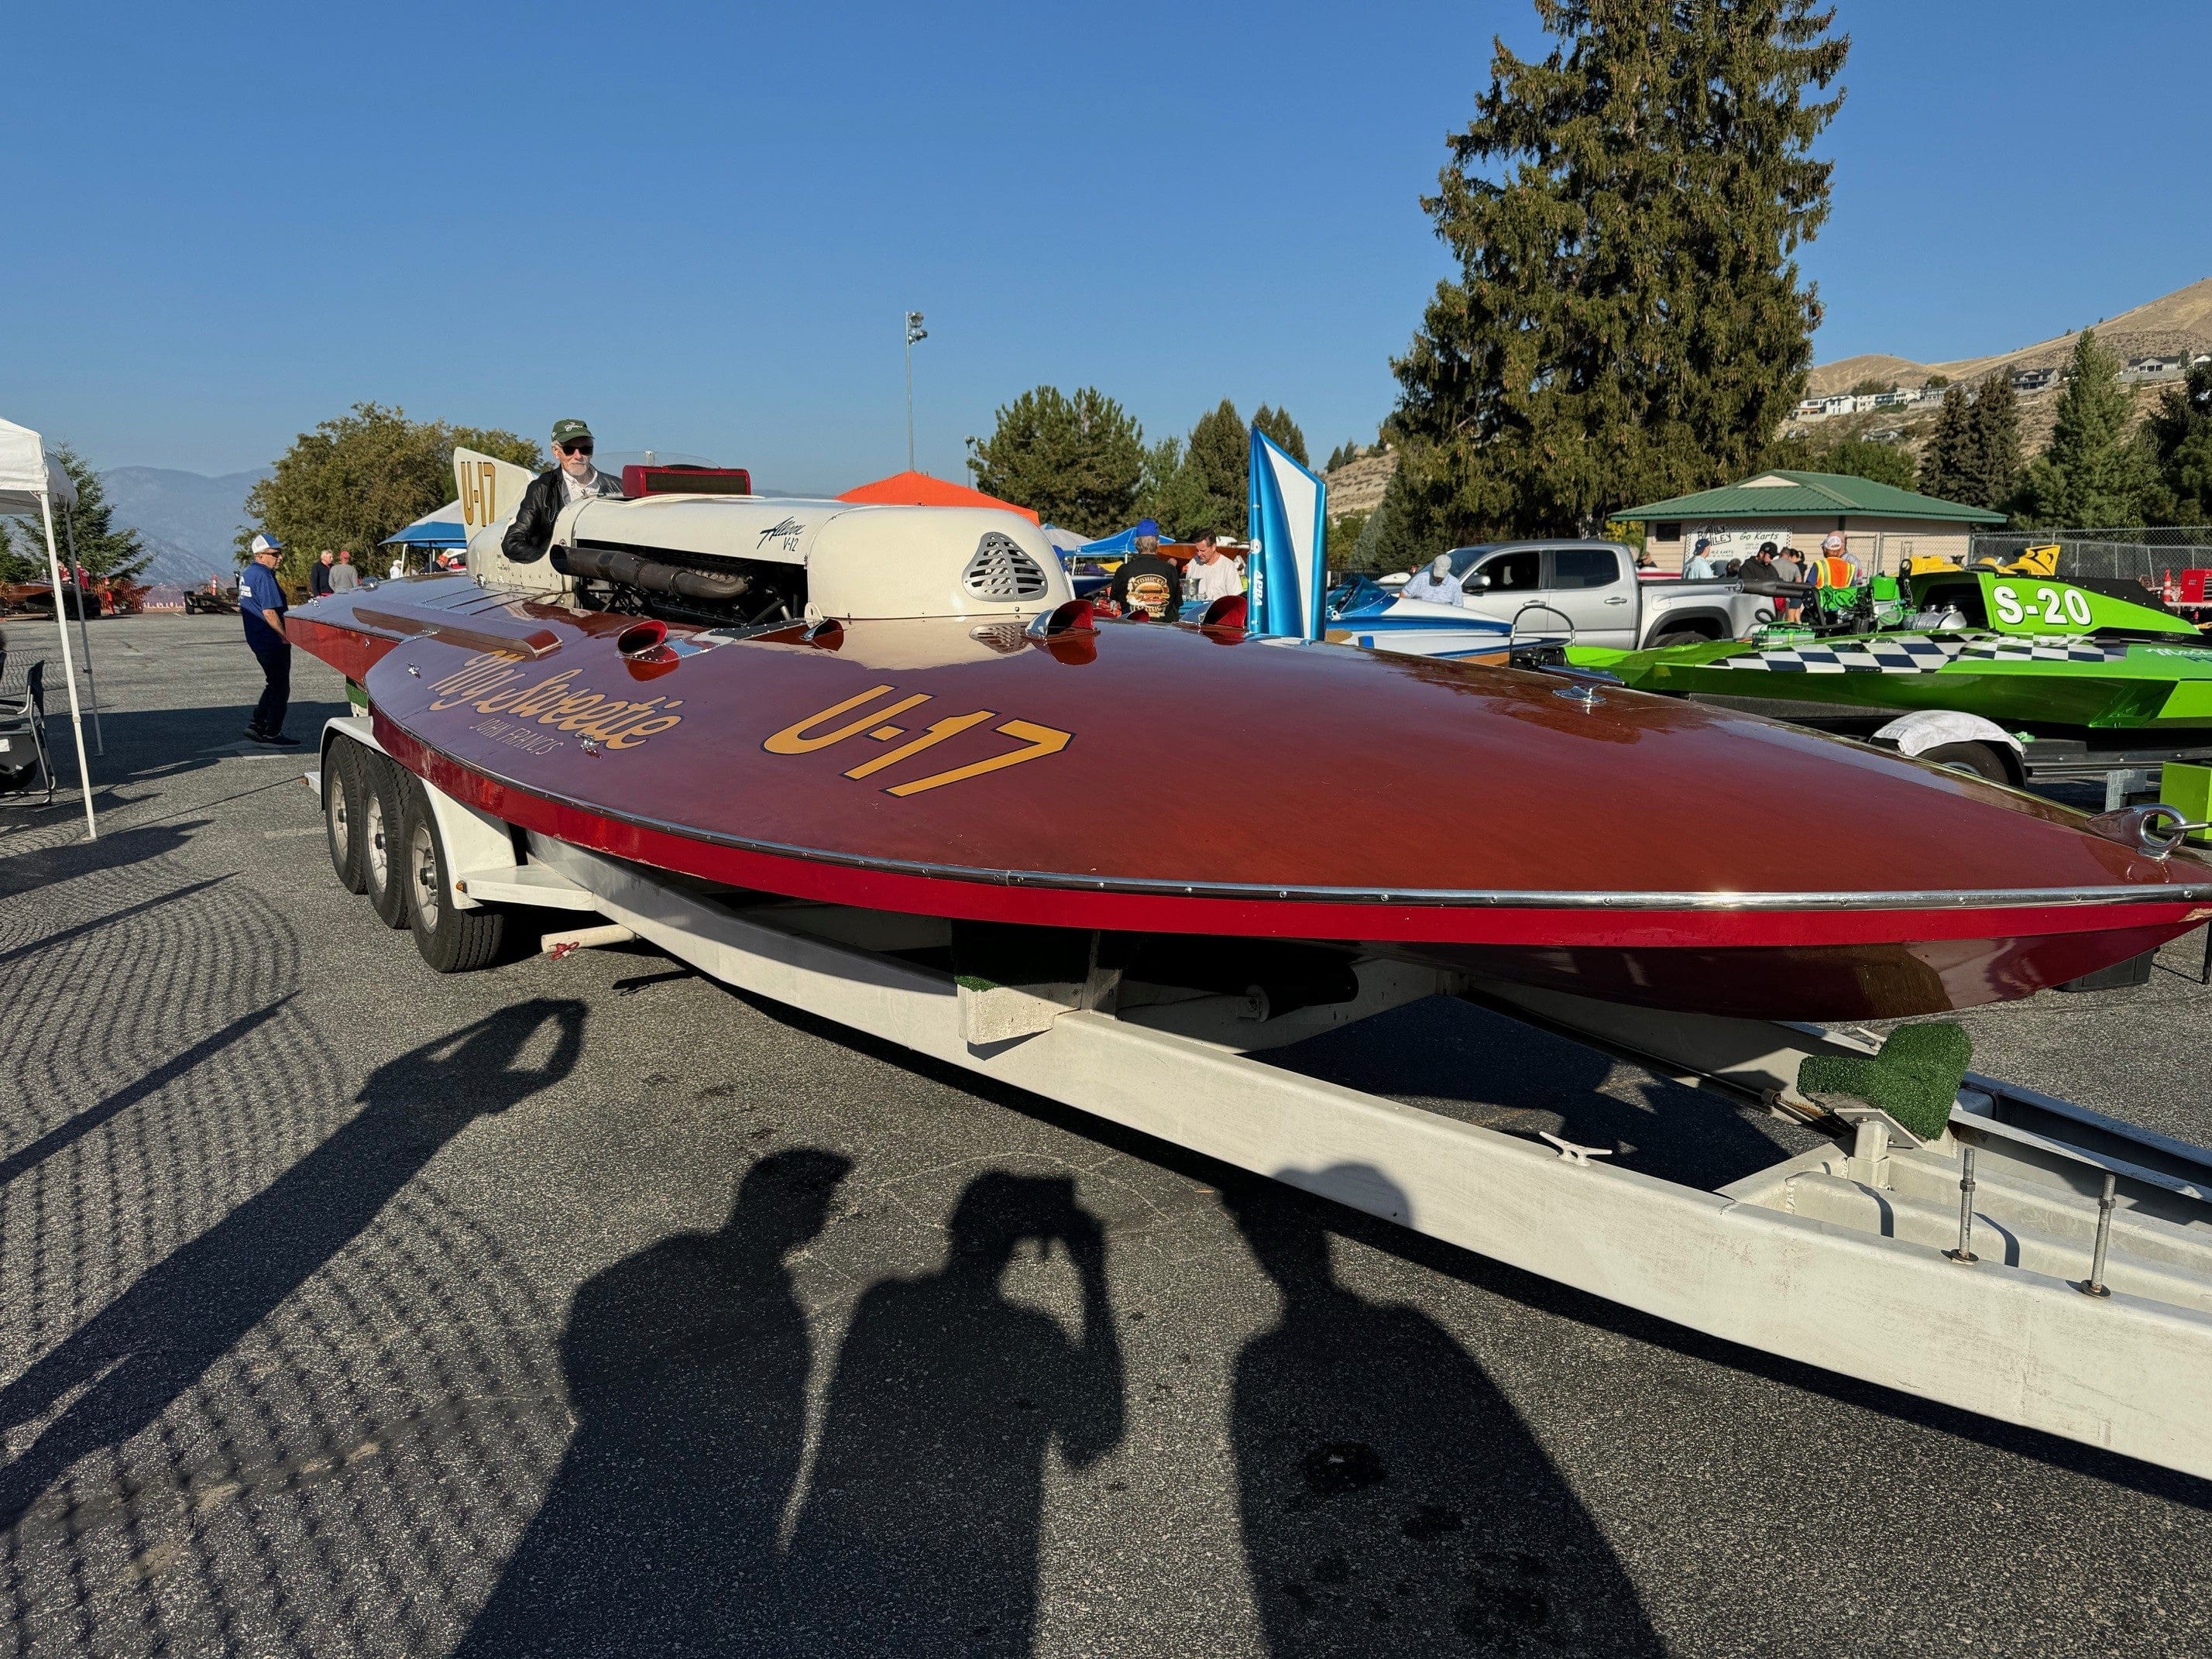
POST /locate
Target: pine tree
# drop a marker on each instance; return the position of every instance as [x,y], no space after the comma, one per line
[1278,425]
[101,549]
[16,564]
[1991,477]
[1945,463]
[1219,458]
[2179,433]
[1629,322]
[1169,491]
[2094,473]
[1076,460]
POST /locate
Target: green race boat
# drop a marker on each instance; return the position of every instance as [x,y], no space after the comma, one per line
[2031,654]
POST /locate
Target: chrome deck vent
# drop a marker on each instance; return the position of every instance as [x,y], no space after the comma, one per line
[1002,570]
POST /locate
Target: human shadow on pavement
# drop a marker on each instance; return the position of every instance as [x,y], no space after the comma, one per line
[145,1348]
[1393,1500]
[687,1365]
[919,1535]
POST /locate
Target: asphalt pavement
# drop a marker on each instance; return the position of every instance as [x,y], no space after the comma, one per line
[588,1307]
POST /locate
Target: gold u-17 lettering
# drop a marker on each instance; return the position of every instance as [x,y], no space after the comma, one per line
[801,738]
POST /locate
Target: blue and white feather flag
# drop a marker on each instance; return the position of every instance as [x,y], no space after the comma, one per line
[1290,508]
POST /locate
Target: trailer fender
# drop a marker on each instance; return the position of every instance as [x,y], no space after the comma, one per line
[1924,728]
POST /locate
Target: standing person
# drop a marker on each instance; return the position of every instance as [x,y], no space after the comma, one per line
[261,603]
[1700,568]
[398,563]
[1789,564]
[1435,585]
[1148,585]
[319,575]
[571,478]
[1212,575]
[343,577]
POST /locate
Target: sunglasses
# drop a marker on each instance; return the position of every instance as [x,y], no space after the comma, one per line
[583,448]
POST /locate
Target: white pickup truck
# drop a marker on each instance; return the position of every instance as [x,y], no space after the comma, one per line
[1593,587]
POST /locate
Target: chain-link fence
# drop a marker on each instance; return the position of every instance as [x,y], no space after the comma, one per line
[2141,553]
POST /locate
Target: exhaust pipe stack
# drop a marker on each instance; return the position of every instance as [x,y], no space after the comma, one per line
[614,565]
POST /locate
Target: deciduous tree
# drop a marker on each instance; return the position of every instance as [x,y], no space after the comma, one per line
[355,480]
[1077,460]
[2095,473]
[1629,321]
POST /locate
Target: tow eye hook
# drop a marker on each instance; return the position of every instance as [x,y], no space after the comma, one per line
[2155,829]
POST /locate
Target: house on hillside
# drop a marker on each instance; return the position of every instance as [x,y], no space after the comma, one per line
[1881,523]
[1812,408]
[2034,380]
[2153,368]
[1842,403]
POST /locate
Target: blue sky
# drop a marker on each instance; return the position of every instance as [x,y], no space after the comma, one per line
[698,226]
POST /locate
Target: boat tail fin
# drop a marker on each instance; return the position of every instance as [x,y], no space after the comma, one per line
[491,491]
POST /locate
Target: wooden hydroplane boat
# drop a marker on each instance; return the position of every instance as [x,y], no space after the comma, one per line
[905,709]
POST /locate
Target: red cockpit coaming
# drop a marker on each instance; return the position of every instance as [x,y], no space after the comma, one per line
[981,898]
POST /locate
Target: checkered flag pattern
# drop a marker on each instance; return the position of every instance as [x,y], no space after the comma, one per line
[1885,653]
[2044,650]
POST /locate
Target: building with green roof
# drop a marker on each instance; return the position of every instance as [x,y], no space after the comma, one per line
[1881,523]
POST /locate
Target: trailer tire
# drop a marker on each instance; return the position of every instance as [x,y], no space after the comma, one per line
[1977,760]
[342,791]
[451,939]
[1682,636]
[383,810]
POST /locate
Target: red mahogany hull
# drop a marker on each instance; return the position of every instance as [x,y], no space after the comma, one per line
[1161,781]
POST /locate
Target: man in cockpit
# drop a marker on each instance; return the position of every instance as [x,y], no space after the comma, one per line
[571,478]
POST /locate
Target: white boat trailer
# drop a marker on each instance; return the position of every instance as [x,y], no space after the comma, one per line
[2038,1263]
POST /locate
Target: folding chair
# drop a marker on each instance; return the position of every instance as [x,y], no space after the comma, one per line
[23,734]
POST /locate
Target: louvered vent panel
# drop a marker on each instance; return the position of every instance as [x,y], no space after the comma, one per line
[1002,570]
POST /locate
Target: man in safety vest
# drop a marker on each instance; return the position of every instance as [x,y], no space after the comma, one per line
[1834,574]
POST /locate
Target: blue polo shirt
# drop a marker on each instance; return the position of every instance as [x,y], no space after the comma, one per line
[258,593]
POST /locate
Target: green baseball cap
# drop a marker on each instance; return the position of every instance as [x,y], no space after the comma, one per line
[566,432]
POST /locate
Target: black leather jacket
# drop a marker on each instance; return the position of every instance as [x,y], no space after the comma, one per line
[531,533]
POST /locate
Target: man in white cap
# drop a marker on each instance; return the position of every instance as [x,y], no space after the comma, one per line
[261,603]
[1435,586]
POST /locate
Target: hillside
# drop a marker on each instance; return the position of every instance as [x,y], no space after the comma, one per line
[190,521]
[2174,322]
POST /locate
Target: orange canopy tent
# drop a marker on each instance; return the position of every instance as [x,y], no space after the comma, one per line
[920,489]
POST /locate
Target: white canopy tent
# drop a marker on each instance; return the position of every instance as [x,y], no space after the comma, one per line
[31,482]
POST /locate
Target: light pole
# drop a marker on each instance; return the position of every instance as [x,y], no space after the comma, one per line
[915,332]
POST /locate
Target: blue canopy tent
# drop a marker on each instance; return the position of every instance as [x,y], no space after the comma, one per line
[1118,545]
[442,528]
